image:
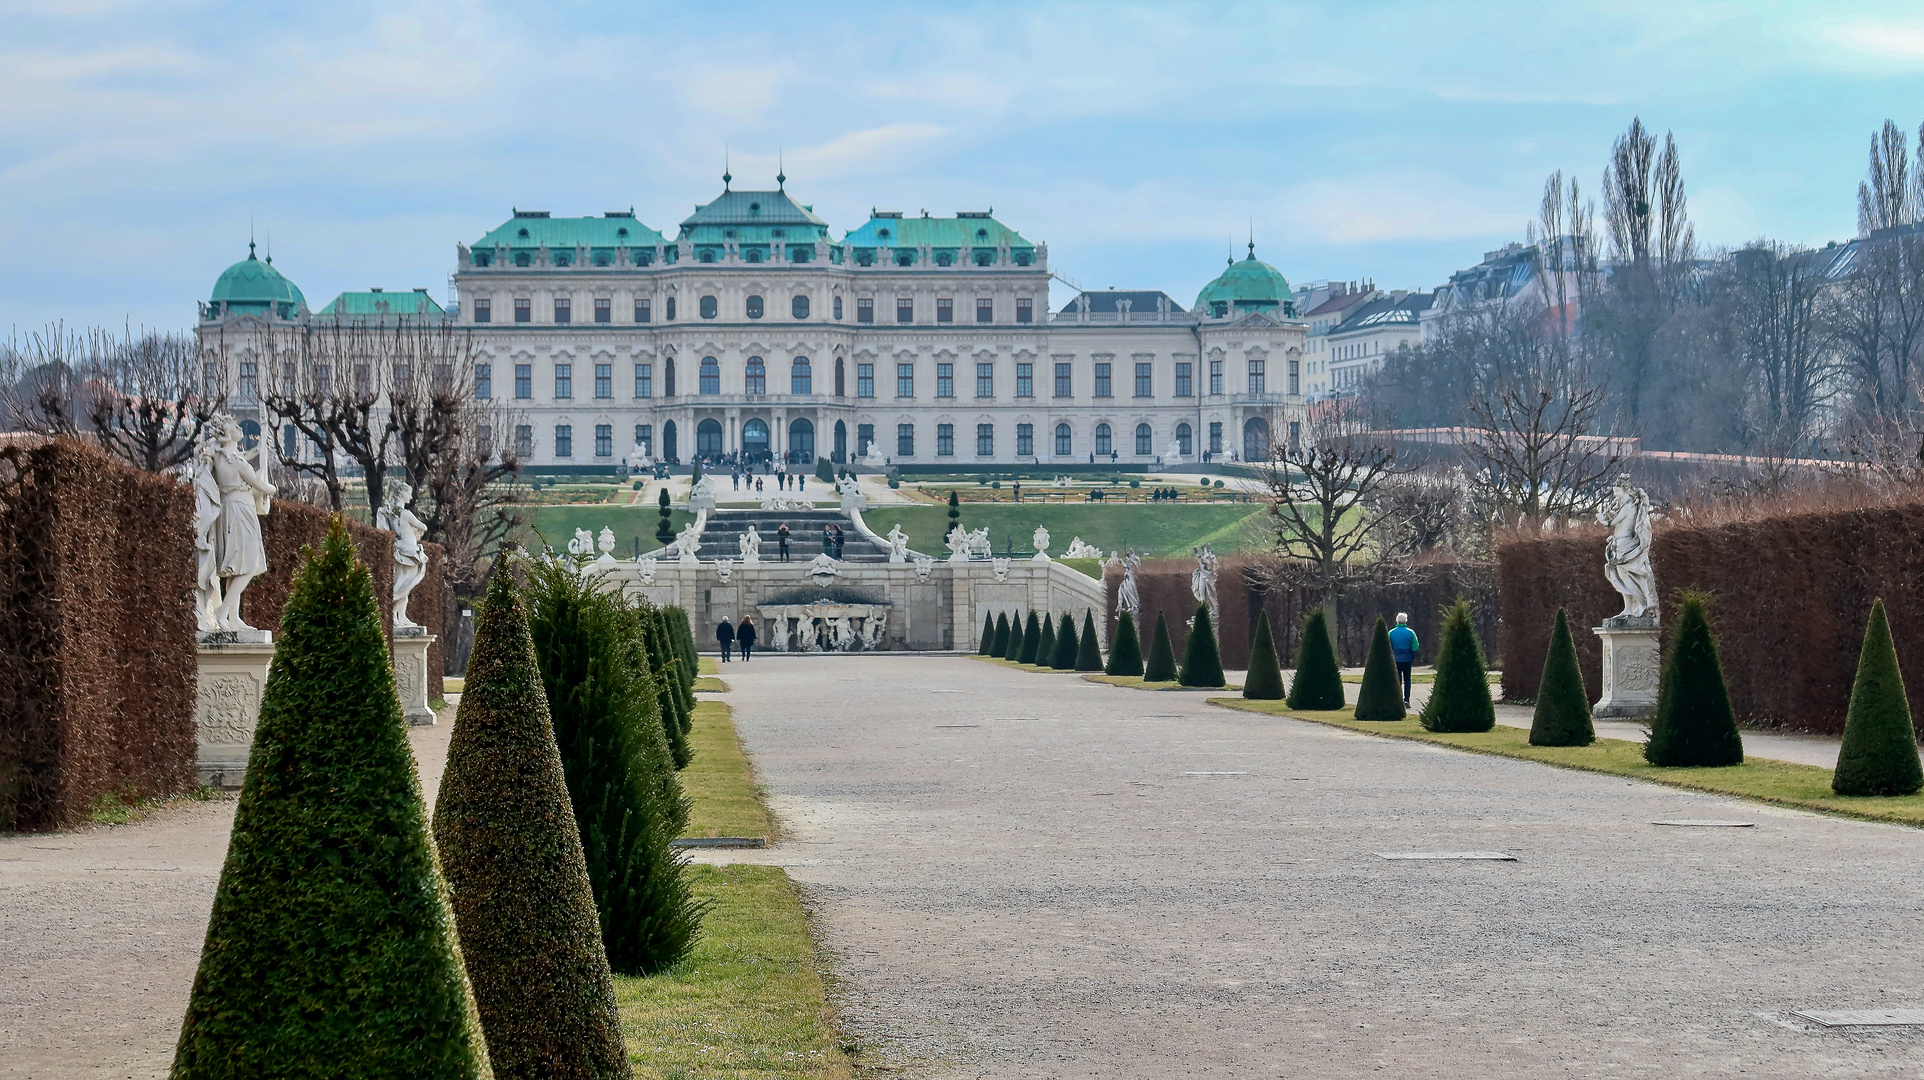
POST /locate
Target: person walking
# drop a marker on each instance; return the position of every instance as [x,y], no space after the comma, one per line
[781,538]
[840,539]
[725,636]
[745,635]
[828,541]
[1403,647]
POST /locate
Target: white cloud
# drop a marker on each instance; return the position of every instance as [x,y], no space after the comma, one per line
[1890,39]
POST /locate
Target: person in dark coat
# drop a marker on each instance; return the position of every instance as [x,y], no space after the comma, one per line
[781,536]
[745,635]
[840,540]
[725,636]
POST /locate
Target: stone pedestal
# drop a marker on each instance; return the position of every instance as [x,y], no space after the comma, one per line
[228,684]
[411,673]
[1632,660]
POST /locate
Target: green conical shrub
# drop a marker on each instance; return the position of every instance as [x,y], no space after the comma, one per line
[627,802]
[662,664]
[987,646]
[1264,680]
[1064,656]
[1031,639]
[1045,649]
[1000,647]
[1015,639]
[1161,666]
[512,855]
[1879,755]
[1125,652]
[1563,705]
[1089,650]
[689,667]
[1202,660]
[331,950]
[1380,698]
[1319,682]
[1695,725]
[1460,697]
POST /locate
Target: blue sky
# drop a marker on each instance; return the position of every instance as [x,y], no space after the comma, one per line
[1390,141]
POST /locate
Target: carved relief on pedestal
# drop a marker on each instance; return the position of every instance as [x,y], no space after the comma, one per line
[226,708]
[407,683]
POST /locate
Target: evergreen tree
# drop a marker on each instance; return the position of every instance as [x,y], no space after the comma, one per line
[331,950]
[1264,680]
[1089,651]
[1319,682]
[621,781]
[508,843]
[1879,755]
[987,648]
[1202,660]
[955,512]
[662,665]
[665,532]
[1015,639]
[1045,650]
[1125,652]
[1695,725]
[1064,656]
[1460,696]
[1000,646]
[823,471]
[1161,666]
[1031,639]
[1381,696]
[1563,705]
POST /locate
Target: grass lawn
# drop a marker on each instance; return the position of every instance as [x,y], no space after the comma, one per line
[557,524]
[1155,529]
[707,665]
[748,1001]
[1806,787]
[718,780]
[1134,682]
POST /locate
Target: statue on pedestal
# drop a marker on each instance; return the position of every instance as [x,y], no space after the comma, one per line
[750,547]
[1127,597]
[687,542]
[960,544]
[1626,555]
[410,560]
[898,544]
[1202,581]
[231,497]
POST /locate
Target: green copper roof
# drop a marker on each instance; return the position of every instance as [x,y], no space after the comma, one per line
[254,285]
[381,302]
[977,230]
[534,228]
[1249,284]
[753,217]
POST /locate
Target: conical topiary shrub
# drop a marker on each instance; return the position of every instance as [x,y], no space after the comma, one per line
[1264,681]
[663,662]
[1460,697]
[1319,682]
[1045,650]
[1695,725]
[512,855]
[1563,705]
[1064,656]
[1125,652]
[1202,660]
[331,950]
[1000,647]
[627,802]
[1879,755]
[1014,652]
[1161,665]
[1088,650]
[987,646]
[1380,698]
[1031,640]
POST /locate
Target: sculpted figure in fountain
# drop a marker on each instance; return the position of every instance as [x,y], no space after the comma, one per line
[898,544]
[751,547]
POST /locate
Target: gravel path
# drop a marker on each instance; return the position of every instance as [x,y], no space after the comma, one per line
[1032,875]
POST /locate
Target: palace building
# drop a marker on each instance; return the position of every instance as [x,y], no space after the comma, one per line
[755,332]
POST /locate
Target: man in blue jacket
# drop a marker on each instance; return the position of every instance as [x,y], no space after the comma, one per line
[1403,646]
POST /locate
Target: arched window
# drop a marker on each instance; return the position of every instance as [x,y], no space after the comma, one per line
[1184,440]
[710,375]
[1145,441]
[754,439]
[521,258]
[1256,439]
[709,308]
[754,307]
[801,377]
[708,438]
[841,442]
[755,376]
[1062,440]
[839,391]
[1103,446]
[668,448]
[799,306]
[668,377]
[801,441]
[944,259]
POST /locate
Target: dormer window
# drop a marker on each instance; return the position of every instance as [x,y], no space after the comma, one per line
[905,259]
[601,259]
[777,234]
[883,233]
[754,255]
[521,258]
[621,232]
[754,208]
[523,234]
[944,259]
[981,234]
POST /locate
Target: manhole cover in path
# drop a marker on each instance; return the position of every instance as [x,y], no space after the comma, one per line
[1462,856]
[957,725]
[1863,1017]
[1707,823]
[1215,774]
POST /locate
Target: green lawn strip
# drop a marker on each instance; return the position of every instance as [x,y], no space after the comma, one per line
[748,1001]
[707,665]
[1805,787]
[1155,529]
[1419,678]
[709,684]
[1135,682]
[557,524]
[1085,567]
[719,782]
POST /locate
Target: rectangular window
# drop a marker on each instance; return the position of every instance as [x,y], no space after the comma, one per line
[604,309]
[904,309]
[945,440]
[483,381]
[670,308]
[1025,380]
[1295,435]
[523,441]
[864,435]
[644,310]
[250,379]
[1295,376]
[905,380]
[1145,381]
[524,381]
[1183,386]
[1215,436]
[1024,440]
[984,440]
[944,309]
[985,380]
[865,309]
[564,440]
[290,441]
[604,380]
[1102,380]
[945,380]
[1215,376]
[564,380]
[483,309]
[1062,440]
[563,309]
[523,309]
[1063,383]
[864,380]
[645,438]
[644,380]
[801,376]
[1256,377]
[984,309]
[905,440]
[1024,309]
[604,440]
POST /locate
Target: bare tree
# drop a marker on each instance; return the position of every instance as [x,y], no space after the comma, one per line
[1777,329]
[143,398]
[43,379]
[1533,435]
[1652,248]
[1887,197]
[1424,513]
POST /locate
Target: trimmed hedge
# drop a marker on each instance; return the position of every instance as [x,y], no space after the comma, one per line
[987,645]
[1015,640]
[331,950]
[1125,651]
[1031,639]
[1045,650]
[663,667]
[506,834]
[1562,715]
[1264,681]
[1381,696]
[1202,662]
[1064,657]
[1161,666]
[1319,682]
[1460,697]
[1000,646]
[1879,754]
[1089,651]
[1694,725]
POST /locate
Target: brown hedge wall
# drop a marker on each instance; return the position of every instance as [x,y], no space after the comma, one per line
[285,530]
[97,661]
[424,605]
[1424,592]
[1789,599]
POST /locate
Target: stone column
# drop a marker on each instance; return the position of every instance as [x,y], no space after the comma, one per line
[1632,660]
[230,678]
[410,644]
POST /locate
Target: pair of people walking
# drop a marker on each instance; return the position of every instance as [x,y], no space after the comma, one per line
[832,541]
[741,635]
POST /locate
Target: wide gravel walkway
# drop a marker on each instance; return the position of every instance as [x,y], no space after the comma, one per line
[1030,875]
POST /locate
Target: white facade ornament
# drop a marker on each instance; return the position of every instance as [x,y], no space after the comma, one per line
[924,566]
[1127,597]
[410,561]
[725,568]
[606,544]
[647,570]
[960,544]
[230,501]
[1041,542]
[823,569]
[1081,549]
[582,544]
[701,494]
[979,543]
[1001,568]
[1202,580]
[1626,555]
[687,543]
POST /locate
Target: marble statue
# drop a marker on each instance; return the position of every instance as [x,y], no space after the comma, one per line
[843,633]
[1060,481]
[638,459]
[235,551]
[979,543]
[1202,580]
[898,544]
[410,561]
[1041,542]
[606,544]
[774,499]
[849,486]
[703,488]
[1001,569]
[1082,549]
[1127,597]
[872,629]
[960,544]
[687,543]
[206,538]
[749,547]
[582,544]
[1626,555]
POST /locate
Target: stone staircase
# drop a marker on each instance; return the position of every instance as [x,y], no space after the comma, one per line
[721,537]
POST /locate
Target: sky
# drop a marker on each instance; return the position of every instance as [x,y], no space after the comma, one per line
[140,142]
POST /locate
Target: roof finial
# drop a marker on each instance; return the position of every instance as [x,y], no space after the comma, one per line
[1252,237]
[250,236]
[268,243]
[726,178]
[781,172]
